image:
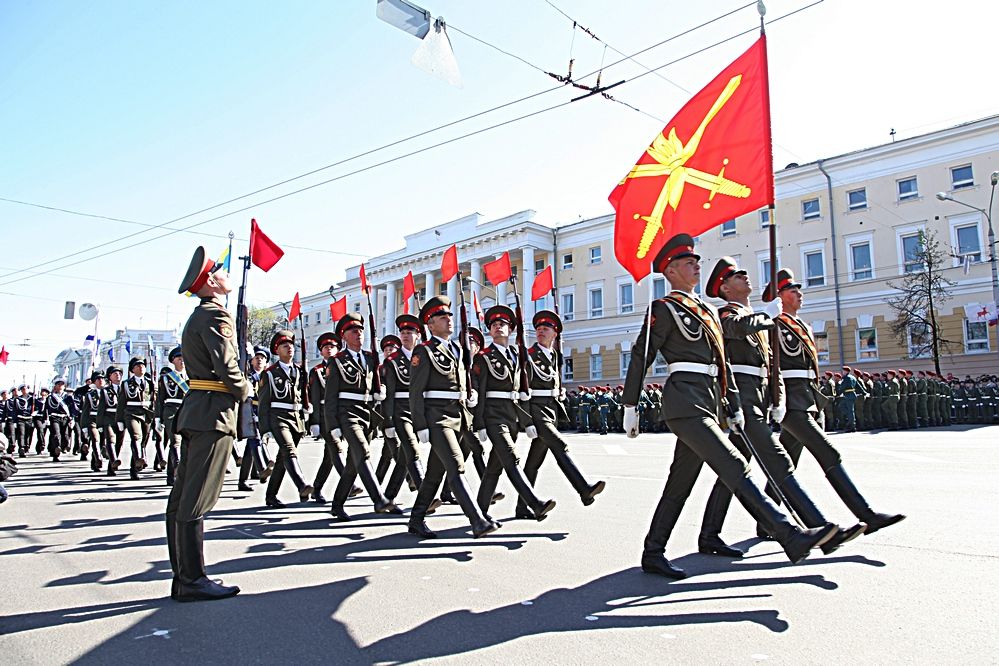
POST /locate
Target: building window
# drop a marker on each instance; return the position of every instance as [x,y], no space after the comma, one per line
[912,248]
[539,265]
[814,262]
[908,189]
[659,367]
[968,242]
[763,264]
[976,336]
[596,366]
[860,261]
[658,288]
[567,369]
[568,307]
[822,347]
[357,306]
[567,260]
[595,255]
[728,228]
[765,218]
[626,298]
[920,341]
[625,362]
[857,199]
[867,344]
[810,209]
[961,176]
[596,303]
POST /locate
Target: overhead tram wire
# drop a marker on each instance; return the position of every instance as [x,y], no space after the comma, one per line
[400,157]
[379,148]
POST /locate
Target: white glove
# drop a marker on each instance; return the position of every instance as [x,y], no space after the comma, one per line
[423,436]
[778,412]
[314,430]
[308,410]
[630,421]
[380,396]
[737,421]
[531,432]
[473,399]
[336,433]
[524,397]
[390,433]
[483,436]
[121,427]
[562,394]
[773,308]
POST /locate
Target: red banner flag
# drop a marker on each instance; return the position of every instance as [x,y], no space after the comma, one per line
[264,253]
[364,281]
[498,271]
[4,355]
[544,282]
[296,308]
[478,308]
[408,291]
[338,309]
[449,264]
[711,163]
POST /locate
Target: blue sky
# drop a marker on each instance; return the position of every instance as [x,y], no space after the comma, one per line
[149,111]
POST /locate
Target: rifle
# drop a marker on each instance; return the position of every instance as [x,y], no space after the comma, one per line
[559,359]
[463,336]
[775,329]
[305,369]
[525,382]
[376,376]
[245,425]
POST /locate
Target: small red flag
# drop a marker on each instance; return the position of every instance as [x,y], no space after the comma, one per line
[264,253]
[4,355]
[408,291]
[364,281]
[338,309]
[449,264]
[478,308]
[296,308]
[498,271]
[713,162]
[544,282]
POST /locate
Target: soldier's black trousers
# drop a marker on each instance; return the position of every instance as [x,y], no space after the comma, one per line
[358,465]
[448,460]
[331,460]
[59,429]
[503,458]
[138,429]
[799,430]
[549,439]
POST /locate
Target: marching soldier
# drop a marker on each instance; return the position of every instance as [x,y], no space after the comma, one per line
[747,350]
[113,430]
[439,399]
[59,412]
[398,417]
[699,387]
[135,400]
[799,368]
[90,406]
[256,460]
[170,394]
[280,415]
[23,425]
[39,426]
[328,345]
[207,424]
[389,345]
[7,420]
[349,406]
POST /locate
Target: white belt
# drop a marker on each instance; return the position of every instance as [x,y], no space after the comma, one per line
[173,401]
[503,395]
[359,397]
[544,393]
[111,411]
[93,413]
[442,395]
[285,405]
[402,395]
[137,403]
[700,368]
[798,374]
[754,370]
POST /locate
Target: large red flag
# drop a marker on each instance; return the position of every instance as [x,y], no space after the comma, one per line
[544,282]
[449,263]
[364,281]
[711,163]
[498,271]
[264,253]
[296,308]
[4,355]
[408,291]
[338,309]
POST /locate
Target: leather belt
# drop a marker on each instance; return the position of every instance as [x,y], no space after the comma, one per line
[401,395]
[544,393]
[503,395]
[208,385]
[699,368]
[137,403]
[798,374]
[359,397]
[754,370]
[285,405]
[442,395]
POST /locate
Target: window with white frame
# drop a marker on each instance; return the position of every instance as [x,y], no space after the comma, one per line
[595,255]
[966,237]
[810,209]
[867,344]
[596,298]
[659,367]
[860,257]
[763,265]
[568,306]
[961,176]
[728,228]
[908,188]
[658,288]
[910,249]
[822,347]
[813,264]
[442,289]
[567,369]
[567,260]
[764,218]
[920,340]
[626,298]
[976,337]
[596,366]
[625,362]
[857,199]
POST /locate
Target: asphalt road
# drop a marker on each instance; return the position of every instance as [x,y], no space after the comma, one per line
[84,576]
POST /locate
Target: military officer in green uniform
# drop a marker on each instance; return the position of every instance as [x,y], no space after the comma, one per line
[890,407]
[207,424]
[846,393]
[922,401]
[861,403]
[903,400]
[828,392]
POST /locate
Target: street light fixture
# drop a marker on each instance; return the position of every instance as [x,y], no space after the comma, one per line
[943,196]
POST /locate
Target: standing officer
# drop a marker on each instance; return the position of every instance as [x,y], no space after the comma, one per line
[280,413]
[828,393]
[922,401]
[398,417]
[890,407]
[699,387]
[107,419]
[135,401]
[846,391]
[911,400]
[861,402]
[328,344]
[170,394]
[59,412]
[799,368]
[349,405]
[903,400]
[207,424]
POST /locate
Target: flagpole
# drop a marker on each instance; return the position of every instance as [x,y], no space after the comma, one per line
[228,257]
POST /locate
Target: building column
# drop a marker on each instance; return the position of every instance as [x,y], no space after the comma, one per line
[430,280]
[452,293]
[389,326]
[475,274]
[528,282]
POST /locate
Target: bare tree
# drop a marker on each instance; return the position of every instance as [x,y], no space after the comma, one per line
[921,293]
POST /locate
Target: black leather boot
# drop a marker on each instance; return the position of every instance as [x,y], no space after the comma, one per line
[294,470]
[709,541]
[653,558]
[171,539]
[193,584]
[855,502]
[812,517]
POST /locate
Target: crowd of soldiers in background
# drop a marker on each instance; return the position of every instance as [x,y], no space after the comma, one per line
[600,409]
[903,400]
